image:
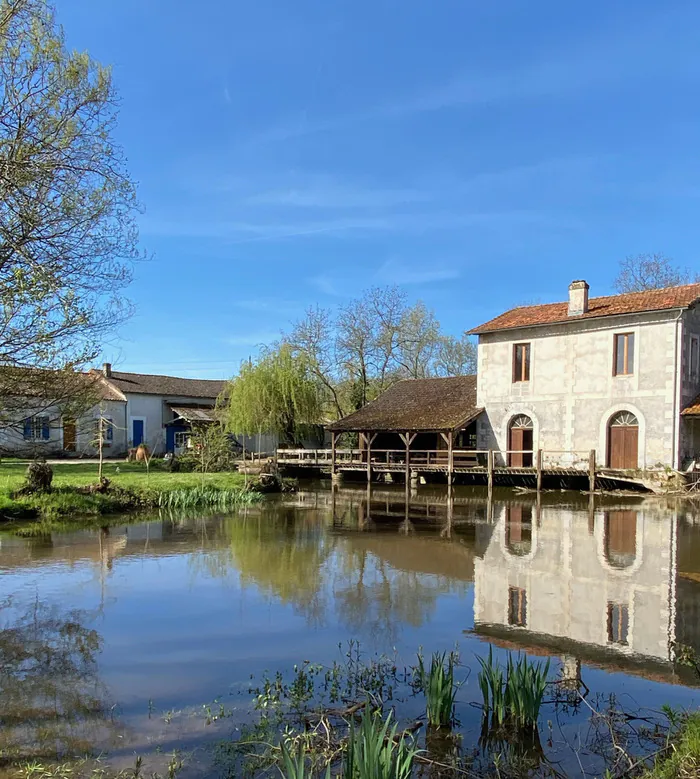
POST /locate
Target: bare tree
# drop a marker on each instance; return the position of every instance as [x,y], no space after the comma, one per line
[67,205]
[419,341]
[455,356]
[650,271]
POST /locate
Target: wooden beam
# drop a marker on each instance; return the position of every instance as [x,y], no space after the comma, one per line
[368,444]
[591,471]
[489,470]
[539,470]
[334,443]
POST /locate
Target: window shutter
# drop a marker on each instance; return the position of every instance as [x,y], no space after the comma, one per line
[110,429]
[28,429]
[45,432]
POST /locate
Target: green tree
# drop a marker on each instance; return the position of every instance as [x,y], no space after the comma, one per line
[650,271]
[278,393]
[67,205]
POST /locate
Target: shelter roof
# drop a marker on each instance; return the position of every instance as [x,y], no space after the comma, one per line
[417,405]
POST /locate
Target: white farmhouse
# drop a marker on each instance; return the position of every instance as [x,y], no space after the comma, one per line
[131,409]
[619,375]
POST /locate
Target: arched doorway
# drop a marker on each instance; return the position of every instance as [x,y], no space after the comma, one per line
[520,442]
[623,441]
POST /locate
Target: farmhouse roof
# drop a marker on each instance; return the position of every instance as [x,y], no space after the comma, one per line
[613,305]
[151,384]
[417,405]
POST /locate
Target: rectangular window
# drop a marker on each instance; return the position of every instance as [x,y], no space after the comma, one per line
[517,607]
[182,440]
[623,361]
[107,426]
[618,623]
[521,362]
[37,428]
[694,359]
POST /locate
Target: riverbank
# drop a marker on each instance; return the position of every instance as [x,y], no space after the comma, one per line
[682,758]
[132,487]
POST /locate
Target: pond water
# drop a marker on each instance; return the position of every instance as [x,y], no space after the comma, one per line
[130,629]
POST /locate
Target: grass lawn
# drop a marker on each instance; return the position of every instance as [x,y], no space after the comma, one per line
[134,488]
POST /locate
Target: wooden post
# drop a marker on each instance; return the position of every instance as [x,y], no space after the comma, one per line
[334,441]
[369,440]
[591,471]
[450,456]
[539,470]
[489,469]
[407,439]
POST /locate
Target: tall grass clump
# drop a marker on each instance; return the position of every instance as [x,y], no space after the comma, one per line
[439,688]
[518,698]
[375,751]
[295,765]
[209,497]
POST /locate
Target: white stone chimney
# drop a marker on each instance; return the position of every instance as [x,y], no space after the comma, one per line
[107,370]
[578,298]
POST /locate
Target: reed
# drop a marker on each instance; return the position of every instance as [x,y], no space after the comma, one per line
[376,751]
[516,696]
[209,497]
[439,688]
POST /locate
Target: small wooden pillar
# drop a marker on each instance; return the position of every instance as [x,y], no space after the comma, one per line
[334,443]
[408,439]
[369,440]
[489,469]
[591,471]
[539,470]
[448,438]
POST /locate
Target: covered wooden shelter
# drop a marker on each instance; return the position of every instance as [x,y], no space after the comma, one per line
[417,422]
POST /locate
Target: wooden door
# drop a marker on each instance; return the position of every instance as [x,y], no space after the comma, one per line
[623,447]
[70,438]
[520,445]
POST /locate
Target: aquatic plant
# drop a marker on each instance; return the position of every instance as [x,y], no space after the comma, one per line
[518,698]
[375,749]
[210,497]
[439,688]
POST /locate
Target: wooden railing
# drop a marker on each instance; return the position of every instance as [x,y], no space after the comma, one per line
[439,458]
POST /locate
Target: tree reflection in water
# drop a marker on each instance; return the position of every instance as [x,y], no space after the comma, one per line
[368,582]
[53,702]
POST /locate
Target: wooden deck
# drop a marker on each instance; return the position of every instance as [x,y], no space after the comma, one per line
[491,466]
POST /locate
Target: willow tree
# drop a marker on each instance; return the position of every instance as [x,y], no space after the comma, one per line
[276,394]
[67,205]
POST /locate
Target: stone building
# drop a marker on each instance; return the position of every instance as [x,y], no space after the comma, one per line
[619,375]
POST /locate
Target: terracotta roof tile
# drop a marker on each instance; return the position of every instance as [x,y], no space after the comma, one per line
[629,303]
[417,404]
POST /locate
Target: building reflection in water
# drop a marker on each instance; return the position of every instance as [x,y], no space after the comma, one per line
[596,582]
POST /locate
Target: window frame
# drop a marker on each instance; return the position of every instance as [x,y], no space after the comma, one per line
[526,363]
[628,363]
[694,371]
[185,435]
[517,617]
[617,618]
[107,432]
[37,428]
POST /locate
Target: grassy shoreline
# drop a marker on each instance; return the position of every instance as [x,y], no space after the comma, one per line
[132,488]
[682,757]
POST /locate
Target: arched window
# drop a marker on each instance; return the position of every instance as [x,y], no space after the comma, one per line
[520,442]
[623,441]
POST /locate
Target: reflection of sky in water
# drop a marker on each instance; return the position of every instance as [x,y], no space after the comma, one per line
[188,610]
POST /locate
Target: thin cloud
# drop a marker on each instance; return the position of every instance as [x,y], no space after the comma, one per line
[339,197]
[395,272]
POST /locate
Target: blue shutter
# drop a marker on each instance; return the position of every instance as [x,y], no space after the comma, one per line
[45,432]
[28,429]
[110,430]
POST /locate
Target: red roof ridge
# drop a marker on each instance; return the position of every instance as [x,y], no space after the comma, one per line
[662,299]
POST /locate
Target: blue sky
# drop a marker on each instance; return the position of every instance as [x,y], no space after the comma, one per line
[481,155]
